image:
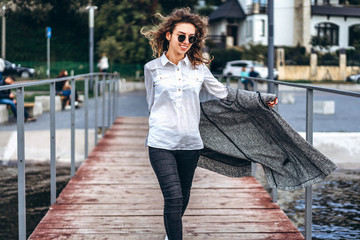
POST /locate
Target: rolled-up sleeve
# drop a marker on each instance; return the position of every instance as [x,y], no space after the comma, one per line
[212,85]
[149,86]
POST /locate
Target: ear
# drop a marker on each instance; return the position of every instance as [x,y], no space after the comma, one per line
[168,36]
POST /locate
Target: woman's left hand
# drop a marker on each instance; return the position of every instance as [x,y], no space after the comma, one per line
[273,103]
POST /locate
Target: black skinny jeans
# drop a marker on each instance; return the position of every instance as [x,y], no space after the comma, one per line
[174,170]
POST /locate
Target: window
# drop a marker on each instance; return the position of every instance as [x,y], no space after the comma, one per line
[354,35]
[249,28]
[262,25]
[328,32]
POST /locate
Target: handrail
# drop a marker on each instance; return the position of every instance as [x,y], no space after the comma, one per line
[109,87]
[309,129]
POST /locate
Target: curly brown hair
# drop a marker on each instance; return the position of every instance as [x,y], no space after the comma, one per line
[157,35]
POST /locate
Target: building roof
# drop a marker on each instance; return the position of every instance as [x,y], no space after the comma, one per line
[340,11]
[229,9]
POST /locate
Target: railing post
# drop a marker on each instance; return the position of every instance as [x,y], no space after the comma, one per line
[109,101]
[113,79]
[103,105]
[276,92]
[86,117]
[73,89]
[117,82]
[96,108]
[309,138]
[239,83]
[255,85]
[52,145]
[228,81]
[21,163]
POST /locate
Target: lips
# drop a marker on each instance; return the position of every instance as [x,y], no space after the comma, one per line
[184,47]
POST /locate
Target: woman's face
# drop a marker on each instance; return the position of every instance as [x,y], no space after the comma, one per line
[175,45]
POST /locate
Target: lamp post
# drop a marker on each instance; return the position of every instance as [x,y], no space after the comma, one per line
[3,38]
[91,41]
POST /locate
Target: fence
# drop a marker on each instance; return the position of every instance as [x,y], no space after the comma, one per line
[109,89]
[309,129]
[108,84]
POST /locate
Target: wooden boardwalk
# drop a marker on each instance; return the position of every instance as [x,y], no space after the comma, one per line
[115,195]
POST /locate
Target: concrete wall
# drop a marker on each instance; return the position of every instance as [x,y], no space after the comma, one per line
[37,145]
[322,73]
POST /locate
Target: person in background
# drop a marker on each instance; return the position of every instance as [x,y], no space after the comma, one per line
[253,74]
[8,98]
[103,63]
[63,88]
[2,67]
[244,74]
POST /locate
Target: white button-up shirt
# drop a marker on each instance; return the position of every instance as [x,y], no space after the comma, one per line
[172,94]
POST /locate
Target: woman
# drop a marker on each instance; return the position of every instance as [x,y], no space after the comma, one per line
[173,82]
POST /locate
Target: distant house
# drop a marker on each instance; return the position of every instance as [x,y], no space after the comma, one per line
[240,22]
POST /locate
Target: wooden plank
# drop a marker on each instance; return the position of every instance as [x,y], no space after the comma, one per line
[159,236]
[115,195]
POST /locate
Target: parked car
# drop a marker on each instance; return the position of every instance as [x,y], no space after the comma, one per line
[234,68]
[13,69]
[353,78]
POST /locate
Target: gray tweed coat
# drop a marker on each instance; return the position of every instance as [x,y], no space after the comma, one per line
[242,129]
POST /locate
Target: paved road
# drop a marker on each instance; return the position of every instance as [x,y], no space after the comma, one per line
[345,119]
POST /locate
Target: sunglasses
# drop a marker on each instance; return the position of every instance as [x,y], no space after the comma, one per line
[182,38]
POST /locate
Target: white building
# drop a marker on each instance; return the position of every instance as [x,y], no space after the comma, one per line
[239,22]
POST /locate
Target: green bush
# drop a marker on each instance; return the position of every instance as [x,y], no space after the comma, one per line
[328,59]
[221,56]
[296,56]
[353,57]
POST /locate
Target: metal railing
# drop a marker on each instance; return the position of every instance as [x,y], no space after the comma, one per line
[309,128]
[109,89]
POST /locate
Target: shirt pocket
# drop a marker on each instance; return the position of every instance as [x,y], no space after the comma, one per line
[193,81]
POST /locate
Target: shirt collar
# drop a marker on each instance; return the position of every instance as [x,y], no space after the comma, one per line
[165,60]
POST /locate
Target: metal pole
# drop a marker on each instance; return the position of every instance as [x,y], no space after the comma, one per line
[309,138]
[103,105]
[116,95]
[109,102]
[253,169]
[276,92]
[3,33]
[73,89]
[113,83]
[21,163]
[53,144]
[239,83]
[48,57]
[86,117]
[91,41]
[96,108]
[270,8]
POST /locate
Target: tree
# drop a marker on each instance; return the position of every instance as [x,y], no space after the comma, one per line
[111,48]
[169,5]
[26,24]
[123,19]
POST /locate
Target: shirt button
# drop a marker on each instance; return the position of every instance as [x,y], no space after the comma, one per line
[179,89]
[177,69]
[179,79]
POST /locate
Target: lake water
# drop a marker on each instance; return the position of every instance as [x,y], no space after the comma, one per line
[336,201]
